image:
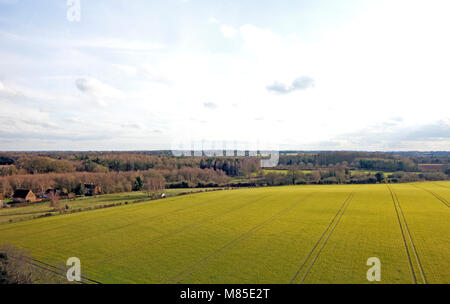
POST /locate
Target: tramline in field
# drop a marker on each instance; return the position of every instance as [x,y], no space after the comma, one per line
[296,234]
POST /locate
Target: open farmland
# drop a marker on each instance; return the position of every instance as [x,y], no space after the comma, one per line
[296,234]
[42,209]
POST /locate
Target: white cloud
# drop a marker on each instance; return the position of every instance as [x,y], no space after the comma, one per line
[126,69]
[101,92]
[143,72]
[17,119]
[213,20]
[300,83]
[210,105]
[228,31]
[117,44]
[133,125]
[368,73]
[260,40]
[390,136]
[8,92]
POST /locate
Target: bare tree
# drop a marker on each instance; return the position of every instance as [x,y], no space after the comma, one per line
[18,182]
[5,189]
[154,185]
[55,203]
[43,183]
[16,268]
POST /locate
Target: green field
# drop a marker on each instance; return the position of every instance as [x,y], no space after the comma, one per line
[352,172]
[8,215]
[279,171]
[295,234]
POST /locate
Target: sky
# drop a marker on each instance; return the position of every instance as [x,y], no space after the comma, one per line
[370,75]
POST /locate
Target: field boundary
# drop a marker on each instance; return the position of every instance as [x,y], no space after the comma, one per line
[330,229]
[404,227]
[182,275]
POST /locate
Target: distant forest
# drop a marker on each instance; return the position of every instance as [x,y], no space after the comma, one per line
[365,160]
[128,171]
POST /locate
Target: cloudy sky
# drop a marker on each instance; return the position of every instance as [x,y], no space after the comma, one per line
[300,74]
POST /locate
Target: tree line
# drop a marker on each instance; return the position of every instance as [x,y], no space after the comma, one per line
[336,175]
[97,162]
[387,162]
[112,182]
[126,171]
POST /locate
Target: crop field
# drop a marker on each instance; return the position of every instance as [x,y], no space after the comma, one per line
[352,172]
[8,215]
[267,171]
[296,234]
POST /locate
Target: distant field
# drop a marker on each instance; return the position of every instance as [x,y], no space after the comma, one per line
[295,234]
[366,172]
[353,172]
[266,171]
[8,215]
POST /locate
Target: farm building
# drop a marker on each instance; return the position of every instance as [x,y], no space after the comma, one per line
[24,196]
[92,190]
[1,200]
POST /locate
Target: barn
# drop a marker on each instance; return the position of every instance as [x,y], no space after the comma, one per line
[24,196]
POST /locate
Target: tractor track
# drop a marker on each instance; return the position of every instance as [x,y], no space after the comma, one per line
[182,275]
[182,229]
[437,184]
[125,212]
[116,228]
[402,222]
[158,216]
[330,229]
[440,198]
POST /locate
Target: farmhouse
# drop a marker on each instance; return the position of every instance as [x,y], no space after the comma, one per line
[24,196]
[92,190]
